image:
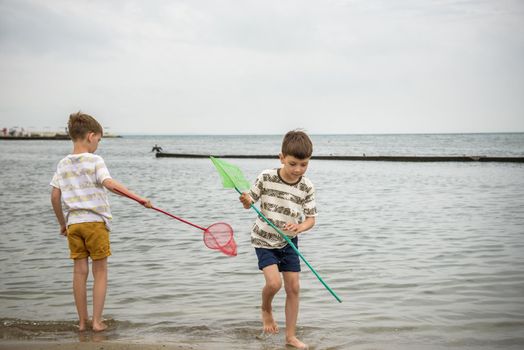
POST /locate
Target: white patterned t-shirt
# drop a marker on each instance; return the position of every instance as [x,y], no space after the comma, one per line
[79,177]
[281,203]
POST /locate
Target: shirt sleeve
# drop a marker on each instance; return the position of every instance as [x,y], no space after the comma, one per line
[54,181]
[256,190]
[310,207]
[102,173]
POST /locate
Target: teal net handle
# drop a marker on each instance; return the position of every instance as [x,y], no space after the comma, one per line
[294,248]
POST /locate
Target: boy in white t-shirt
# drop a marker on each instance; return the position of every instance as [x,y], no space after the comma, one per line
[81,206]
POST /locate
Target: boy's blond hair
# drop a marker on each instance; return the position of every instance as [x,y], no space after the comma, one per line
[297,143]
[80,124]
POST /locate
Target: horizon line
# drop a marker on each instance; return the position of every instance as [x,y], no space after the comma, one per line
[319,134]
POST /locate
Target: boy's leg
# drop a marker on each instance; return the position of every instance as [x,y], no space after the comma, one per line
[292,287]
[80,273]
[273,285]
[99,292]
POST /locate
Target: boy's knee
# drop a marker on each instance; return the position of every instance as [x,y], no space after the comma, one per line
[99,265]
[81,273]
[81,267]
[274,286]
[293,288]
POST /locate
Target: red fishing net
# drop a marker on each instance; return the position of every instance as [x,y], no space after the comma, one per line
[220,236]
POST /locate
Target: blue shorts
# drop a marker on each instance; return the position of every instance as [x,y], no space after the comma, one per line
[286,258]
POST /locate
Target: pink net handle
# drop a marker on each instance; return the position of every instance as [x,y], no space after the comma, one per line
[220,236]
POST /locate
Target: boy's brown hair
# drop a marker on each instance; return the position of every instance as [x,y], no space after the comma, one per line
[297,143]
[80,124]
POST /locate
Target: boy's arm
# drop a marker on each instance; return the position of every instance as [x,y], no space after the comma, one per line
[56,201]
[113,185]
[299,228]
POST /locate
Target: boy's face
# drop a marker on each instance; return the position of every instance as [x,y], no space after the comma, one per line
[293,168]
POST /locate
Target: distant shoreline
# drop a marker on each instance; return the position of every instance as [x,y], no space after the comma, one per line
[51,138]
[60,136]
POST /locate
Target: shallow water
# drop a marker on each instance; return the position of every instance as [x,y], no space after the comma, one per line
[425,256]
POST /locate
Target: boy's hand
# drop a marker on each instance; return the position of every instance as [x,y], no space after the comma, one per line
[147,203]
[63,230]
[294,228]
[246,200]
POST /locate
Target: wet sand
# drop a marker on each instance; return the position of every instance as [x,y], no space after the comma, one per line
[20,345]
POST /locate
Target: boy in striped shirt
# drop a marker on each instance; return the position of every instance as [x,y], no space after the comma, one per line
[287,199]
[81,206]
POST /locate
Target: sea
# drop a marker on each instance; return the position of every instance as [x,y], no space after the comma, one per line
[423,255]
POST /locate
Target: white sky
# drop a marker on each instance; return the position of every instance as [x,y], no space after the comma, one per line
[256,67]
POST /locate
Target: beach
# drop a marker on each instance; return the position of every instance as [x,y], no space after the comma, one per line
[423,255]
[87,346]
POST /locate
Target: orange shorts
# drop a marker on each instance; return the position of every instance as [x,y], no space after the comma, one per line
[88,239]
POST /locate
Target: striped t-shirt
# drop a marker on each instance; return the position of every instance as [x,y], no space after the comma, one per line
[281,203]
[79,177]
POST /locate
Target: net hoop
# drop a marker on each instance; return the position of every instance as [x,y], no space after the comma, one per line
[219,236]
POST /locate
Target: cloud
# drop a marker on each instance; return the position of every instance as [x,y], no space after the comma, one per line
[33,28]
[259,67]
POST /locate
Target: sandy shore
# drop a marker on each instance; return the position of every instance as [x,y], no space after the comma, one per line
[21,345]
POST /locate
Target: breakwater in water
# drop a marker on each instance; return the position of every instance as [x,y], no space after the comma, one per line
[356,158]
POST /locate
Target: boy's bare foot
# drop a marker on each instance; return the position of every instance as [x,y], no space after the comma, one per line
[82,325]
[269,324]
[99,326]
[297,344]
